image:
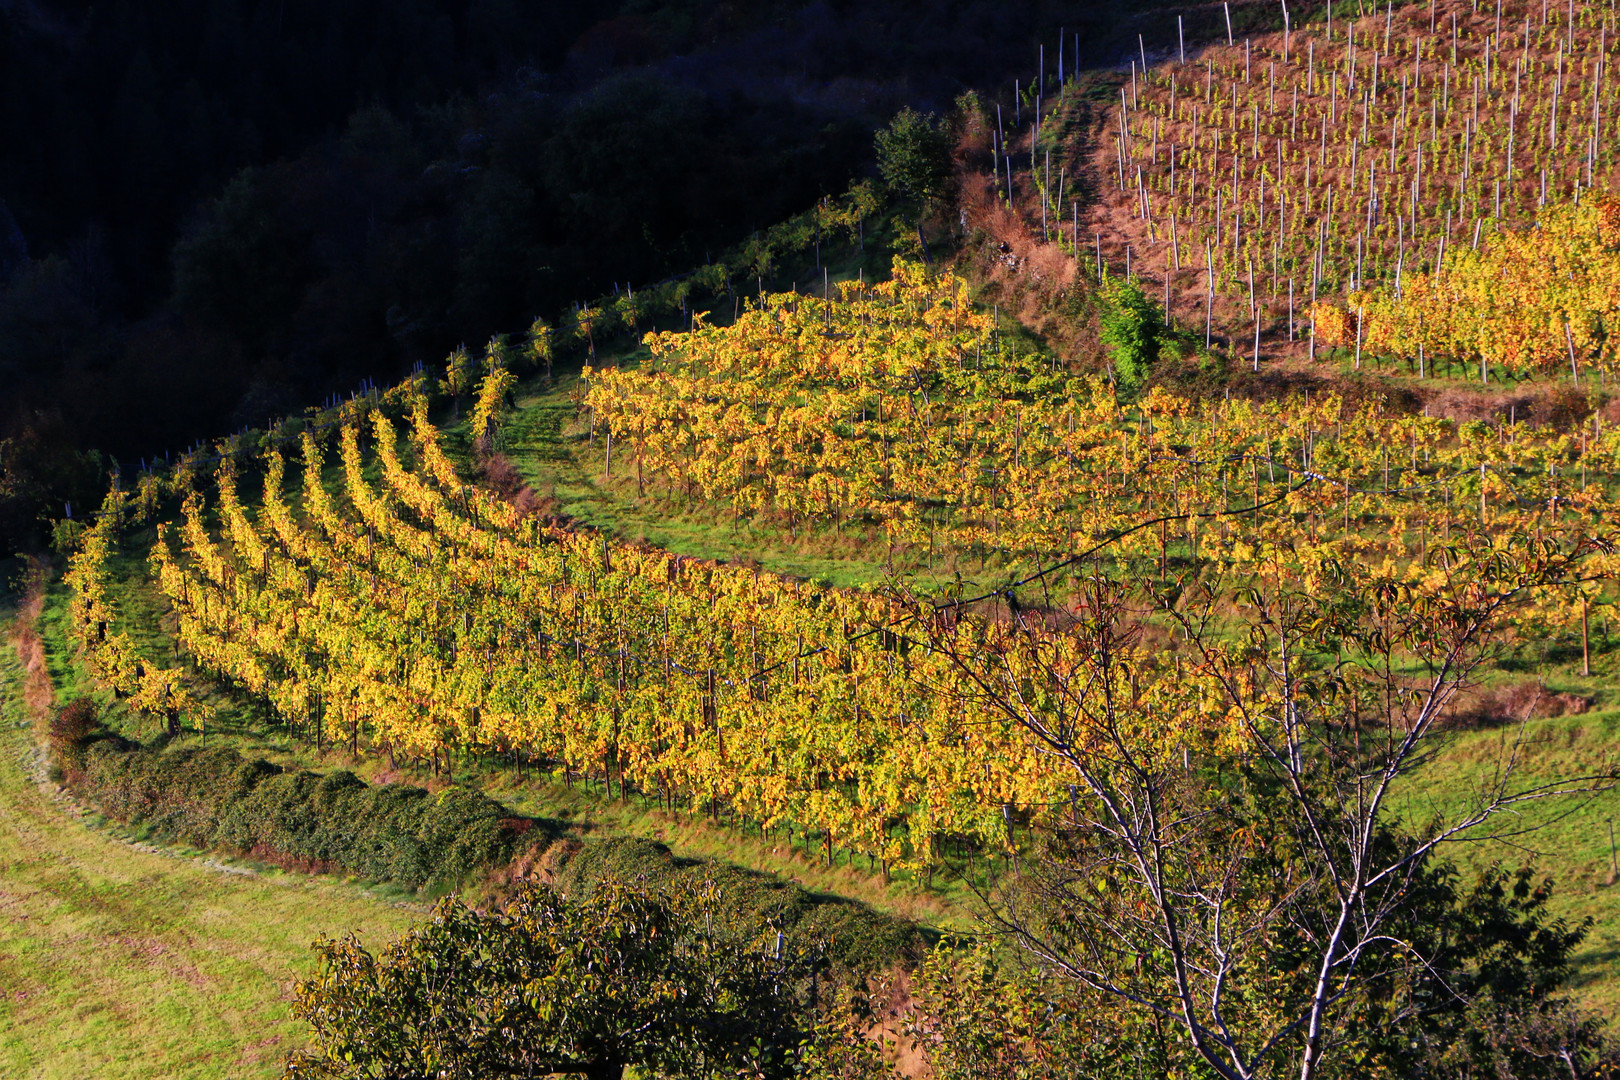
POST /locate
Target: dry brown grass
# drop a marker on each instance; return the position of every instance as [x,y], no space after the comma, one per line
[538,863]
[1555,405]
[1017,269]
[1484,707]
[38,694]
[497,473]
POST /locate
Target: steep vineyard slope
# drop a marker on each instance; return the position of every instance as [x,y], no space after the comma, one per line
[1246,181]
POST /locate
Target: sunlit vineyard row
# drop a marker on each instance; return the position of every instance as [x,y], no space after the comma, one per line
[897,406]
[417,615]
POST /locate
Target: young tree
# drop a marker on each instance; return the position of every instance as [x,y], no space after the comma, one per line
[539,346]
[1233,860]
[493,390]
[589,987]
[1133,331]
[458,376]
[914,158]
[629,310]
[586,320]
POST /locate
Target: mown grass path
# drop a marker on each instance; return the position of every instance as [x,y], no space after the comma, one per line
[117,960]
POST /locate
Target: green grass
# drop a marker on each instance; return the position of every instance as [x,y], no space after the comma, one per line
[1567,839]
[124,961]
[141,614]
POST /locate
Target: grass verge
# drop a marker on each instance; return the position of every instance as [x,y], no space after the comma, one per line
[1567,839]
[120,960]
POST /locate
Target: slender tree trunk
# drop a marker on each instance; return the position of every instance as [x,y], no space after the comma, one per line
[1586,651]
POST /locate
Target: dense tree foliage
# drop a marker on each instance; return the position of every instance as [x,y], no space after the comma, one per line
[913,154]
[586,985]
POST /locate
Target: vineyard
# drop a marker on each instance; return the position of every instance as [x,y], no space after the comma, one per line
[417,616]
[1217,699]
[898,407]
[1256,180]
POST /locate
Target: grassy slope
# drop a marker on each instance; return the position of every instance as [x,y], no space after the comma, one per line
[560,462]
[552,451]
[557,458]
[945,903]
[121,961]
[1567,839]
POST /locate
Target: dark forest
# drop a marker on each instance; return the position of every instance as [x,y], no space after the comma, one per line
[213,213]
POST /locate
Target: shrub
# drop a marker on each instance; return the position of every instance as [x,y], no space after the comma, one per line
[622,978]
[1133,330]
[437,840]
[850,935]
[71,731]
[312,821]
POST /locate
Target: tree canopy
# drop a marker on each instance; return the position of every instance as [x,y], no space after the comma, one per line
[914,154]
[550,985]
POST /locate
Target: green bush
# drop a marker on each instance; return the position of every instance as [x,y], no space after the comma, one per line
[623,979]
[336,821]
[850,935]
[1133,329]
